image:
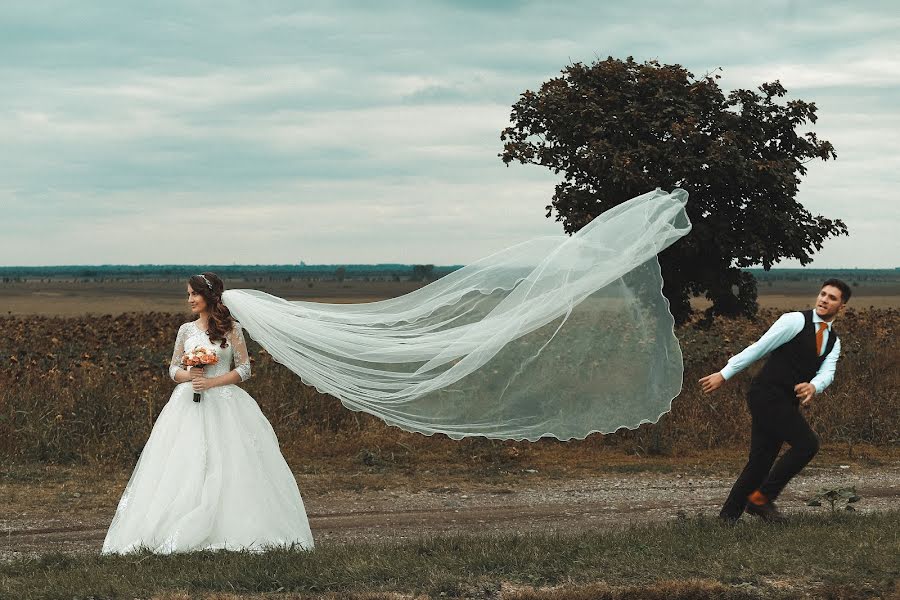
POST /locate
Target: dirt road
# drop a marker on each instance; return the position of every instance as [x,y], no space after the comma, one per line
[40,517]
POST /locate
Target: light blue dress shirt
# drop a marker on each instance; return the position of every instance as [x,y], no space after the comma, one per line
[783,330]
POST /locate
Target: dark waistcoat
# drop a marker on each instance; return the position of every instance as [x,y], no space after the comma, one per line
[795,361]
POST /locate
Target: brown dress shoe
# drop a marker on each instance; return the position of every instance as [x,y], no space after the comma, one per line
[767,511]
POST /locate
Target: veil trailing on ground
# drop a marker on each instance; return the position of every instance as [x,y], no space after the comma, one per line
[557,336]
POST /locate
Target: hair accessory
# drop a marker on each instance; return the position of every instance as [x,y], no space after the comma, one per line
[206,280]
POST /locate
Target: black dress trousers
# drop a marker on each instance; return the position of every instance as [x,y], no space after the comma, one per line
[775,419]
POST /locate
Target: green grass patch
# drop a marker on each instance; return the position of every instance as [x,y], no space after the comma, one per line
[840,550]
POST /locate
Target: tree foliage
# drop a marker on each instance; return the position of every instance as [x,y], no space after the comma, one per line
[618,128]
[422,272]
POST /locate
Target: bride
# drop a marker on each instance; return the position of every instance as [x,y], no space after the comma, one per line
[211,475]
[557,336]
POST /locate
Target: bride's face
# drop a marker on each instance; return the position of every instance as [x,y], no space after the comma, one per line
[195,301]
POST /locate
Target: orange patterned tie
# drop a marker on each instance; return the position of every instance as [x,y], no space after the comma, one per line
[819,335]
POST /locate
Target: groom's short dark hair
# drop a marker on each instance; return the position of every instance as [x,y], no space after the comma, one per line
[846,292]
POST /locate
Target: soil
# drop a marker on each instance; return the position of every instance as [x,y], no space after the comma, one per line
[68,509]
[76,298]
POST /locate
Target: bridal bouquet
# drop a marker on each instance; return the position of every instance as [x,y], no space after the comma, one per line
[199,357]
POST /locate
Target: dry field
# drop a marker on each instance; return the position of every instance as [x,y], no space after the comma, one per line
[78,389]
[70,433]
[67,298]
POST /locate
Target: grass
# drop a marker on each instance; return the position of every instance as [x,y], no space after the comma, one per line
[833,554]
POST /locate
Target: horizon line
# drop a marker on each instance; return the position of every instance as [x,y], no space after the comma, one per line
[305,265]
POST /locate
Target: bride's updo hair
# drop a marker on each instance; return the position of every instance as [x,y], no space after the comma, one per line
[220,322]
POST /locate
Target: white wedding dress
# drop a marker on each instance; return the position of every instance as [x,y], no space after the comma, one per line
[211,475]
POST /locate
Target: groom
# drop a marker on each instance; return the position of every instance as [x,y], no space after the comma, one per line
[805,350]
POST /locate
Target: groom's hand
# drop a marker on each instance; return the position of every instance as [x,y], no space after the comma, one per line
[805,392]
[711,383]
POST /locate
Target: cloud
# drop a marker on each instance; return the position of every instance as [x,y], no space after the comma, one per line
[414,220]
[348,130]
[874,71]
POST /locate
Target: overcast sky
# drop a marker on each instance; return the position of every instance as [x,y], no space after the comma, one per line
[339,132]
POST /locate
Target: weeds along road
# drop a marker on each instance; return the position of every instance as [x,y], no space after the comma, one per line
[32,524]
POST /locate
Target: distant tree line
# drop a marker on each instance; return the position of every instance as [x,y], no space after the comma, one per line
[377,272]
[429,272]
[764,276]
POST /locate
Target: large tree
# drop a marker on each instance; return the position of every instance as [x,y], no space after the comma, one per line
[616,129]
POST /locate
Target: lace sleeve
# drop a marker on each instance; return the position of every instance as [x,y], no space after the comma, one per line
[239,348]
[178,353]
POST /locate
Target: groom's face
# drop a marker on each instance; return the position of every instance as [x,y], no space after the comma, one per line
[829,303]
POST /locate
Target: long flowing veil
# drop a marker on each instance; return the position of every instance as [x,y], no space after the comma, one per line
[557,336]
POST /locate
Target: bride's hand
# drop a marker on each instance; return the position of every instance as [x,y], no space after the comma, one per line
[196,372]
[201,384]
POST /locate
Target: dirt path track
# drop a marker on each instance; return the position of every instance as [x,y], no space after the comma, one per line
[527,505]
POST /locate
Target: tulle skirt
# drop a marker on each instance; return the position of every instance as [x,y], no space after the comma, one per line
[211,476]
